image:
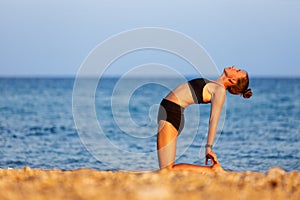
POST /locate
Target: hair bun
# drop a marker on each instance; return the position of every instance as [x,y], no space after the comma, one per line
[247,93]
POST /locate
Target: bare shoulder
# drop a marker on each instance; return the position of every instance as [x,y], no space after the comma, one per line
[216,89]
[218,92]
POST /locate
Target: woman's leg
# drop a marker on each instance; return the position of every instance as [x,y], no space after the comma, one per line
[166,146]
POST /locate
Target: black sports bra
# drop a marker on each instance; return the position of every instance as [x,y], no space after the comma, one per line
[196,87]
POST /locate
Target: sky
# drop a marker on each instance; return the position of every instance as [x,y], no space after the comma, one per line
[53,38]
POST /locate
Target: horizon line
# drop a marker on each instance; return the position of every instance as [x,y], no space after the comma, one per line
[134,76]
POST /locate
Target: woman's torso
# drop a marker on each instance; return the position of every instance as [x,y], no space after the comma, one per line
[183,96]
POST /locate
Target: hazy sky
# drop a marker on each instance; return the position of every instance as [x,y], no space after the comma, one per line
[54,37]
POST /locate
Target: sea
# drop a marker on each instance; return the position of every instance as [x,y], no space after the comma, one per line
[110,124]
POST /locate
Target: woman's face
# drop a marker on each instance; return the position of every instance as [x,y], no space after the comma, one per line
[234,72]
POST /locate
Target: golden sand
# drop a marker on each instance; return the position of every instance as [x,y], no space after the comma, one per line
[55,184]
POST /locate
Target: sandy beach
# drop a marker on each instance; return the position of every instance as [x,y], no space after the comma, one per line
[41,184]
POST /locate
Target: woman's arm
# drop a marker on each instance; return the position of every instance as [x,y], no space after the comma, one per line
[217,101]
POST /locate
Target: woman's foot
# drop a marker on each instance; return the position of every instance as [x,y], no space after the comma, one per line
[217,167]
[215,163]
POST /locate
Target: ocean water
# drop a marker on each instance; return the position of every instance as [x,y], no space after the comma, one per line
[44,125]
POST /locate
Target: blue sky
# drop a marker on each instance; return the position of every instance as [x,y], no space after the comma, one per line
[54,37]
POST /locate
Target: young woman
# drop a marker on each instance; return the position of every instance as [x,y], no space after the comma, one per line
[171,118]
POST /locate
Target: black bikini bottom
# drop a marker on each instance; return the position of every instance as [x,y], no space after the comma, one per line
[171,112]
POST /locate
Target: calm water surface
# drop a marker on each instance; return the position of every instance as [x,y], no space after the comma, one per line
[37,127]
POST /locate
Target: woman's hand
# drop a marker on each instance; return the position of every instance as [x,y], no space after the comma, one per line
[210,155]
[214,161]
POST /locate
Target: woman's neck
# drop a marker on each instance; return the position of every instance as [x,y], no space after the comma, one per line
[222,80]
